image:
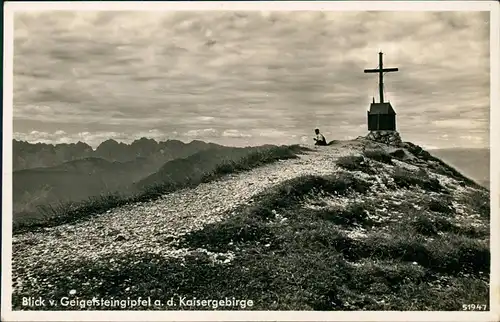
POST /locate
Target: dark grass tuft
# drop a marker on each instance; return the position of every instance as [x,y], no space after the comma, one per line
[399,154]
[457,254]
[427,225]
[431,224]
[226,236]
[378,155]
[442,205]
[353,215]
[478,200]
[405,179]
[355,163]
[289,192]
[451,254]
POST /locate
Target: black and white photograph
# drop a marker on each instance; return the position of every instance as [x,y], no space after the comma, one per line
[249,159]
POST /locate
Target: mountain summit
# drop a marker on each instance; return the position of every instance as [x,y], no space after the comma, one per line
[356,225]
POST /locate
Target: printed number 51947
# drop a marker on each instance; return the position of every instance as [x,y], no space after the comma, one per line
[474,307]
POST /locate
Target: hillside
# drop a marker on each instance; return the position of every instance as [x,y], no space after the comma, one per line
[352,226]
[474,163]
[195,166]
[97,174]
[37,187]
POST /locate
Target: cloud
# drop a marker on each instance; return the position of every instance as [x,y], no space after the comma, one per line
[459,124]
[29,108]
[235,134]
[42,137]
[277,73]
[472,138]
[271,133]
[202,133]
[205,118]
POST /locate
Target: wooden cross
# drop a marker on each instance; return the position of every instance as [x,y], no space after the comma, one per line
[381,70]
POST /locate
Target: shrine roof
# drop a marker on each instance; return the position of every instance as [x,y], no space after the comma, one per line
[381,108]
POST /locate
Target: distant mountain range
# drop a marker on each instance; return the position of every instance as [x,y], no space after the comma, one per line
[473,163]
[35,155]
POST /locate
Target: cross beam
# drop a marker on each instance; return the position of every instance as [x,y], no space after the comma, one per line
[381,70]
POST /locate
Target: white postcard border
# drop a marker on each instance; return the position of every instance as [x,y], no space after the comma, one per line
[11,7]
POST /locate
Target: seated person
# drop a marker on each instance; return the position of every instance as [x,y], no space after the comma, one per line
[320,139]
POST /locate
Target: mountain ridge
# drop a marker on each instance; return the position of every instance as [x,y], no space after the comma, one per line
[34,155]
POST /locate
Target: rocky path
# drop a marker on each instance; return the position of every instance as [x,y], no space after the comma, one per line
[150,226]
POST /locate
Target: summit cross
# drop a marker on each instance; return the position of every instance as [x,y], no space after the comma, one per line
[381,70]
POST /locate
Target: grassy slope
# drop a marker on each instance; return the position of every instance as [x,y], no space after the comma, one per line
[200,167]
[52,185]
[375,236]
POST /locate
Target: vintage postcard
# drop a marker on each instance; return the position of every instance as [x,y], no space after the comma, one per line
[245,161]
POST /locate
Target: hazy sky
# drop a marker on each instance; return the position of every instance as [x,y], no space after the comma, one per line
[241,78]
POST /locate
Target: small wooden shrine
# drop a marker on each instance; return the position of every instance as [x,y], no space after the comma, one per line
[381,116]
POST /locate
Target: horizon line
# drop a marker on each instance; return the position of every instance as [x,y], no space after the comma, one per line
[211,142]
